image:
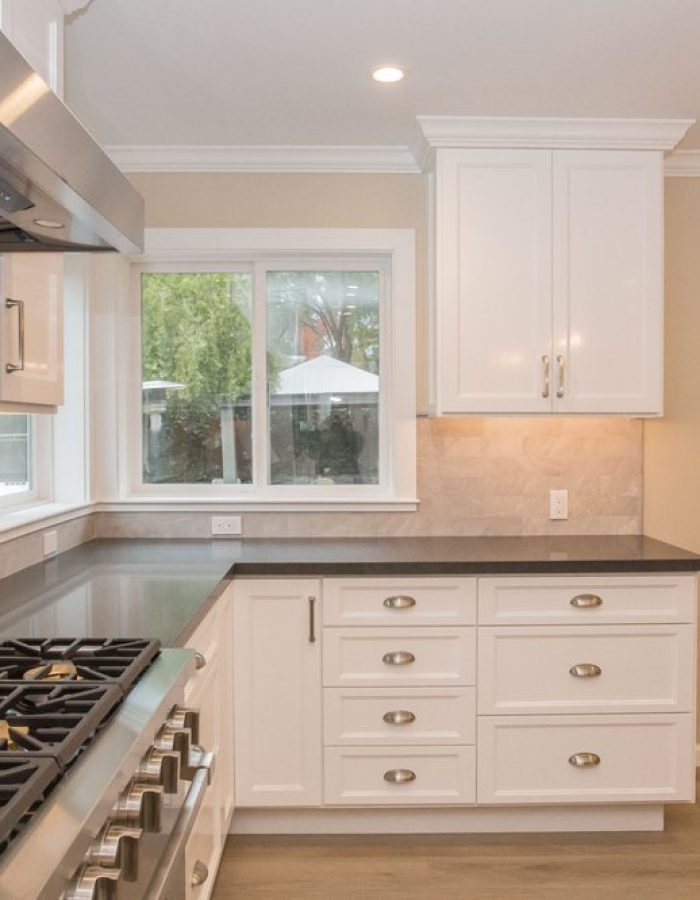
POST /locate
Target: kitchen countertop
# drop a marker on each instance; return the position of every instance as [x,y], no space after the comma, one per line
[163,588]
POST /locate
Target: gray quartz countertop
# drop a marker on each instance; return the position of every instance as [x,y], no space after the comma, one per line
[163,588]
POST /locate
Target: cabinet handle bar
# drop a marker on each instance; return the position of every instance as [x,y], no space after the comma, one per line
[19,365]
[560,366]
[312,619]
[547,367]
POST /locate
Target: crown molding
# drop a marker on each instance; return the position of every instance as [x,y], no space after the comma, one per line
[619,134]
[263,159]
[682,163]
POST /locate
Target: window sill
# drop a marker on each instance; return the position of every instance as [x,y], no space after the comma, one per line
[15,523]
[227,504]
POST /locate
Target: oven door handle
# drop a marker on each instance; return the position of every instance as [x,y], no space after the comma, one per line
[168,881]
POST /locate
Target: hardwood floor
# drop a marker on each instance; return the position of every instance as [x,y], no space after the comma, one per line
[446,867]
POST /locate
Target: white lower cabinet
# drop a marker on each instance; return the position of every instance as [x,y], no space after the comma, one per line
[585,759]
[277,704]
[210,691]
[568,691]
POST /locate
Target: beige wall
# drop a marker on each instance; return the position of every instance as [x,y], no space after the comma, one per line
[672,444]
[279,200]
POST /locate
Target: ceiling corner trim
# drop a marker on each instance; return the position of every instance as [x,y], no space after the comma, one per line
[619,134]
[264,158]
[682,163]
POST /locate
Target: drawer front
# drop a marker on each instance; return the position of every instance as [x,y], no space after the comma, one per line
[416,716]
[441,776]
[205,641]
[408,601]
[589,668]
[641,758]
[600,598]
[398,657]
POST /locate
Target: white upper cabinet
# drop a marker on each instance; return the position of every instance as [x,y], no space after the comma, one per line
[549,281]
[35,27]
[31,329]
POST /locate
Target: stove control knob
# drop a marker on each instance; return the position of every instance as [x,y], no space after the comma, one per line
[181,717]
[173,739]
[117,846]
[140,805]
[93,883]
[160,767]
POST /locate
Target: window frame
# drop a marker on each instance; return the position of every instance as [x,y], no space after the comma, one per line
[391,252]
[40,465]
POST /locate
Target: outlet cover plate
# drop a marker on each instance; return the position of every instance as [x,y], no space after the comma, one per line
[228,526]
[559,504]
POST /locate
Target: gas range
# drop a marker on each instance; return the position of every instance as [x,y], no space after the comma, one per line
[99,768]
[55,695]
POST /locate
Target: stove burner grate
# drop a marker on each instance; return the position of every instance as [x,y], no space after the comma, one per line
[112,660]
[24,782]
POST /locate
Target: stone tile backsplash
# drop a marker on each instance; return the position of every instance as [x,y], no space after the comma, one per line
[475,476]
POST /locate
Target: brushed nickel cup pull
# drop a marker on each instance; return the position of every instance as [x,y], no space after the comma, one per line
[398,658]
[545,386]
[586,601]
[584,760]
[585,670]
[19,365]
[200,660]
[200,873]
[399,776]
[400,601]
[399,717]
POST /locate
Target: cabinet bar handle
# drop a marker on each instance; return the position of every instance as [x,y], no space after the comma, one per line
[547,367]
[398,658]
[312,620]
[399,776]
[560,366]
[586,601]
[584,760]
[400,601]
[585,670]
[19,366]
[399,717]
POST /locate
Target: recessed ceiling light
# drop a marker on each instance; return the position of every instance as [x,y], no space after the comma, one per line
[388,74]
[48,223]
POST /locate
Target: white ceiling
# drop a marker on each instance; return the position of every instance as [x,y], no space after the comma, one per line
[295,72]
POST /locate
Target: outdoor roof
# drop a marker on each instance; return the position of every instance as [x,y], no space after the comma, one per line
[325,375]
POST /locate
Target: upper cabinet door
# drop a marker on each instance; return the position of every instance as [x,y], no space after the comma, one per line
[36,30]
[494,265]
[608,291]
[31,329]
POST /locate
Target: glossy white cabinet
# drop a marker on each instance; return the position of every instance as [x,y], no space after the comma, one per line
[549,281]
[31,329]
[35,27]
[277,705]
[211,692]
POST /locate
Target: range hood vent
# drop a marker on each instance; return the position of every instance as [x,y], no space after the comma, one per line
[58,188]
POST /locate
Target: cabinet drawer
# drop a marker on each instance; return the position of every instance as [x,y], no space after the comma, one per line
[641,758]
[600,598]
[421,656]
[413,716]
[587,668]
[357,776]
[205,642]
[408,601]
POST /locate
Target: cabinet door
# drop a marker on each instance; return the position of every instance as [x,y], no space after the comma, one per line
[608,293]
[36,30]
[31,329]
[493,280]
[277,693]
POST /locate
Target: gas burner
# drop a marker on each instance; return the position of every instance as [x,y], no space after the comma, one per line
[56,671]
[49,719]
[24,782]
[113,660]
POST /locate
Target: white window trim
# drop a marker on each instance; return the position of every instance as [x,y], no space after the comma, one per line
[211,248]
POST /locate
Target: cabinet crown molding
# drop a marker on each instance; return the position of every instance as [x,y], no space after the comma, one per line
[609,134]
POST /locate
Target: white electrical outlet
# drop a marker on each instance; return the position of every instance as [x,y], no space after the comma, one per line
[50,543]
[559,504]
[226,525]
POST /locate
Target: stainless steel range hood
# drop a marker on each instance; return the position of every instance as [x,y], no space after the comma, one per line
[58,189]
